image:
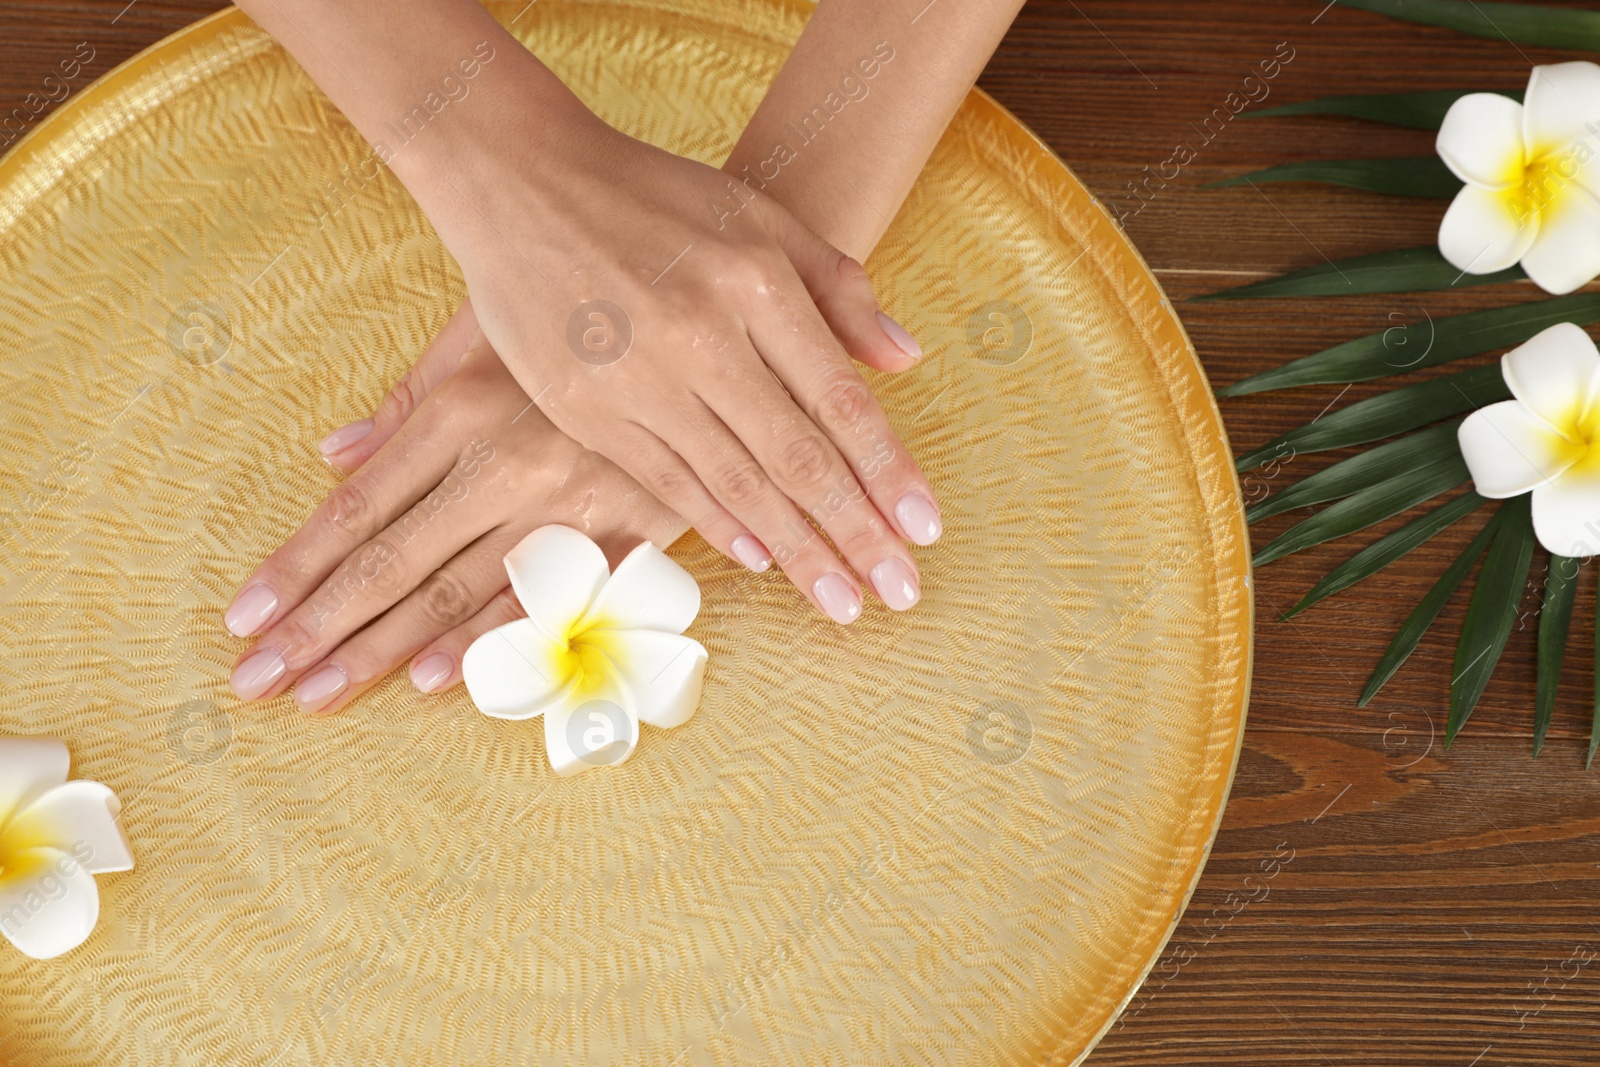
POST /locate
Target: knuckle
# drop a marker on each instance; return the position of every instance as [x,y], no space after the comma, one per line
[401,400]
[299,638]
[669,481]
[445,601]
[860,540]
[850,272]
[350,506]
[804,461]
[846,403]
[739,486]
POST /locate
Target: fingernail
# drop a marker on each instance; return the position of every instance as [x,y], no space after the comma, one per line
[344,437]
[748,550]
[901,338]
[919,518]
[250,609]
[431,672]
[837,597]
[257,674]
[314,692]
[896,584]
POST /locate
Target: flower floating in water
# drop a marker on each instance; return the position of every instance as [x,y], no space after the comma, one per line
[55,836]
[1533,179]
[1547,440]
[598,654]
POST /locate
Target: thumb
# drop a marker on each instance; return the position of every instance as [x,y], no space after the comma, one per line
[843,293]
[352,445]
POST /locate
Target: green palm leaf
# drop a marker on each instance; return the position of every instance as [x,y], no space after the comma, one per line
[1494,607]
[1420,111]
[1360,471]
[1436,340]
[1388,414]
[1370,505]
[1555,620]
[1405,270]
[1553,27]
[1427,610]
[1424,176]
[1387,549]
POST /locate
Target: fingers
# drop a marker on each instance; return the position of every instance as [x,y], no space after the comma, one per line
[805,357]
[437,666]
[764,503]
[352,445]
[808,470]
[664,472]
[843,293]
[352,515]
[453,595]
[375,576]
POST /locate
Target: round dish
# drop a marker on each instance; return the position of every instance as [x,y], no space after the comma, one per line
[962,834]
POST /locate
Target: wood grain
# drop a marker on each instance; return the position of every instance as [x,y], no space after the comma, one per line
[1372,898]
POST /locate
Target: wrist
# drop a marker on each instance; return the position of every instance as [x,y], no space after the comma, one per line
[460,135]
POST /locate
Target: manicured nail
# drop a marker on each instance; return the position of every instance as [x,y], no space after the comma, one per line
[919,518]
[431,672]
[902,339]
[250,609]
[748,550]
[313,693]
[344,437]
[257,674]
[838,598]
[896,584]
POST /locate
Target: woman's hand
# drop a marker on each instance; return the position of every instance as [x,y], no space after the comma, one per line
[692,332]
[405,558]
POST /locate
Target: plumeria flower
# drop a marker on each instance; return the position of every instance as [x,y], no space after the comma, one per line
[1533,179]
[1547,440]
[598,654]
[55,836]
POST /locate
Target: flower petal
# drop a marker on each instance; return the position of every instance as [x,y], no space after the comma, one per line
[79,818]
[49,903]
[663,672]
[556,572]
[649,591]
[1480,140]
[1565,254]
[1561,108]
[1554,373]
[582,734]
[513,671]
[1510,450]
[1484,231]
[29,766]
[1566,515]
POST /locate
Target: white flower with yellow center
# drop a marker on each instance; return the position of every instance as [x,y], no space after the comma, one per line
[598,654]
[1533,179]
[1547,440]
[55,836]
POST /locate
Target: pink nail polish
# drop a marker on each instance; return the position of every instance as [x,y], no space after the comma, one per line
[257,674]
[250,609]
[838,598]
[919,518]
[896,584]
[344,437]
[749,551]
[431,672]
[900,336]
[313,693]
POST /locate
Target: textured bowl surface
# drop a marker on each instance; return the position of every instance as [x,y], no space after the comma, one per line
[959,835]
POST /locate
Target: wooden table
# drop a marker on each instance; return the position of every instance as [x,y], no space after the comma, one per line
[1425,907]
